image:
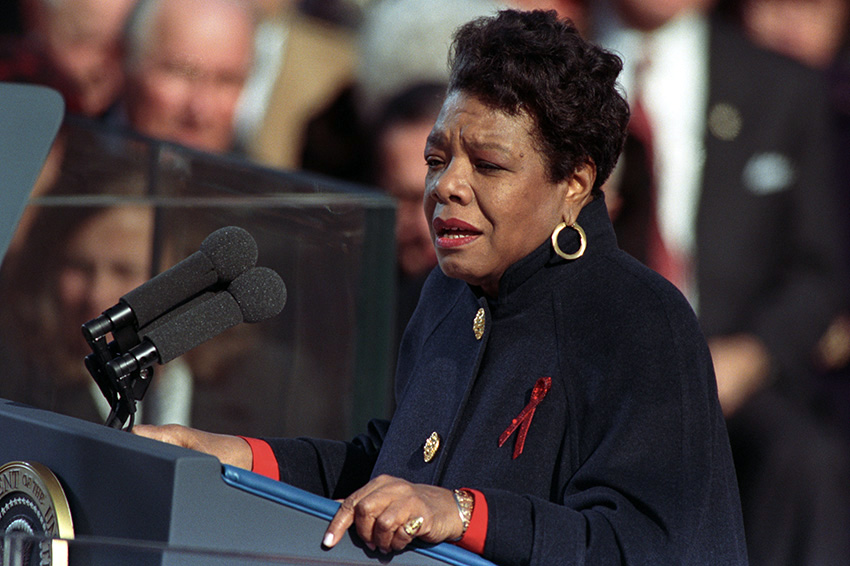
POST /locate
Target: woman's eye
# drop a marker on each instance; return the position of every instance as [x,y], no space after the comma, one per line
[487,166]
[433,162]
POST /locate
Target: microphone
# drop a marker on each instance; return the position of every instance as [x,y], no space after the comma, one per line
[222,257]
[256,295]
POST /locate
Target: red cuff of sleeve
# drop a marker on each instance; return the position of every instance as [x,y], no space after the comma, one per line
[264,462]
[476,534]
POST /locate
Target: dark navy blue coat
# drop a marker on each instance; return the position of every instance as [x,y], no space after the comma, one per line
[626,459]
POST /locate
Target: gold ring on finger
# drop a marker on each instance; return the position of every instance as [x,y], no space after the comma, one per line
[412,526]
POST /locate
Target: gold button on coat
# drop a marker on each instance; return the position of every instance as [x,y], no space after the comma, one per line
[431,446]
[478,324]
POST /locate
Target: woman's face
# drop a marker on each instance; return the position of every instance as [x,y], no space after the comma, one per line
[487,196]
[108,256]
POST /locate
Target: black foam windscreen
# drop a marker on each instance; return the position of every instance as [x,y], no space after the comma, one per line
[209,316]
[223,256]
[232,251]
[170,288]
[256,295]
[260,293]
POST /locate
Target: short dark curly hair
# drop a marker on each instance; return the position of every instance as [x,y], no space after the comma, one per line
[534,62]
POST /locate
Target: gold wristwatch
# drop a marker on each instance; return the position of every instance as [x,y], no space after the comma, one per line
[465,503]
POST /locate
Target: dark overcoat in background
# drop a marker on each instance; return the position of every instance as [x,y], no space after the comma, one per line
[770,256]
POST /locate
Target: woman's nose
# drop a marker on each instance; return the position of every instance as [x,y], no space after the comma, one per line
[452,184]
[101,293]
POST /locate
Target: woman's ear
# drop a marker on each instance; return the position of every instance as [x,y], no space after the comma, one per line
[578,190]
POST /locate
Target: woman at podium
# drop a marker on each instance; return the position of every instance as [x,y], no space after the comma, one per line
[556,401]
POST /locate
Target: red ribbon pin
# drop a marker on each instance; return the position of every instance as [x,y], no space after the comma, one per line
[523,420]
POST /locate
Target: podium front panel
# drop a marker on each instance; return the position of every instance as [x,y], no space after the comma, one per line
[132,491]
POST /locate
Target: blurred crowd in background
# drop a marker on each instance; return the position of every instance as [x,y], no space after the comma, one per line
[734,182]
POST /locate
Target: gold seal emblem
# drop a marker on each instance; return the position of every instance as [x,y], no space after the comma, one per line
[478,324]
[32,502]
[431,447]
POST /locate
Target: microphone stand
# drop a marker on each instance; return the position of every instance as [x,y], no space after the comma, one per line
[132,388]
[123,389]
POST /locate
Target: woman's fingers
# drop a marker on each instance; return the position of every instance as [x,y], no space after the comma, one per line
[172,434]
[340,523]
[388,513]
[229,449]
[357,509]
[383,518]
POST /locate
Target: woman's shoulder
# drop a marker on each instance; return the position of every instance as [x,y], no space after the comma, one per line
[632,329]
[622,293]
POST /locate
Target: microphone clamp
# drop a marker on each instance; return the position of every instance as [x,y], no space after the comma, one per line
[136,359]
[117,316]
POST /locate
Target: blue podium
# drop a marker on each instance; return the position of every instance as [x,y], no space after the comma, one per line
[122,487]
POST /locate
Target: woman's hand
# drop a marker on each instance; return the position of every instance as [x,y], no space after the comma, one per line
[230,450]
[382,509]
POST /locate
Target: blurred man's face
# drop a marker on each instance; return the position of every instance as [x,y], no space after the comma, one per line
[809,30]
[185,87]
[575,10]
[403,176]
[82,40]
[651,14]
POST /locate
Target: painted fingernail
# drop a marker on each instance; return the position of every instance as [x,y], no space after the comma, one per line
[371,546]
[328,540]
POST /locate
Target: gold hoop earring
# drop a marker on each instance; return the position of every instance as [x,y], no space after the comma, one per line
[582,237]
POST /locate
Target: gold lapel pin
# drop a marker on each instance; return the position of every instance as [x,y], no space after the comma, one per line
[478,324]
[431,446]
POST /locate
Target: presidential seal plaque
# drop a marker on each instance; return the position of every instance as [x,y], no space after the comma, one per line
[32,502]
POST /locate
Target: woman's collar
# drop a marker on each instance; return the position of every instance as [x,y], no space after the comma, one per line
[596,223]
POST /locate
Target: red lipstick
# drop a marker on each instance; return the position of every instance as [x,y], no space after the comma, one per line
[453,233]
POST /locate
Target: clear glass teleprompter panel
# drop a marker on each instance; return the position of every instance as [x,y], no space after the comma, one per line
[320,368]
